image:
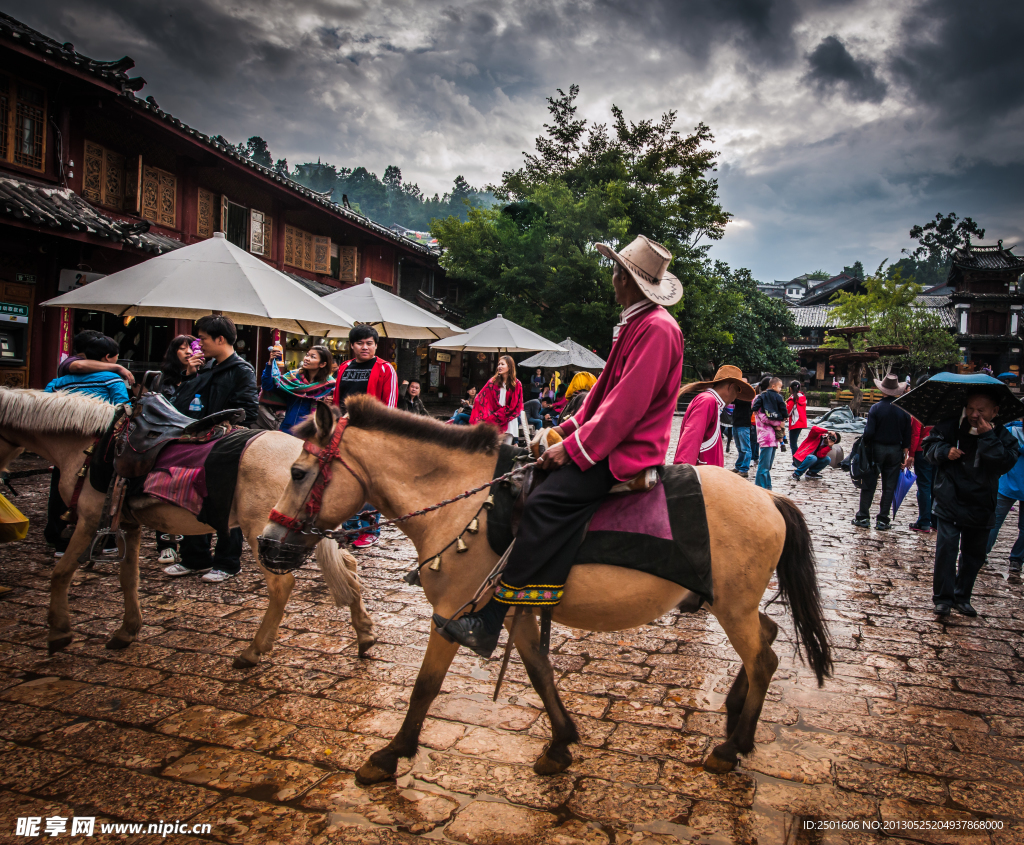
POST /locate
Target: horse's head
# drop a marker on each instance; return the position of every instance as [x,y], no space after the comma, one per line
[323,492]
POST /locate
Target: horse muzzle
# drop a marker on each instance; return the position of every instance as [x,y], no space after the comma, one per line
[282,558]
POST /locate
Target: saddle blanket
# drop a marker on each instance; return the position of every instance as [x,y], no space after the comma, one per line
[662,531]
[179,475]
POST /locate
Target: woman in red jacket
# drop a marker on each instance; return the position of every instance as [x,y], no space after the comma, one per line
[796,405]
[500,400]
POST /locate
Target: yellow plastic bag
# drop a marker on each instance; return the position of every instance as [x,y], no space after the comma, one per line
[13,523]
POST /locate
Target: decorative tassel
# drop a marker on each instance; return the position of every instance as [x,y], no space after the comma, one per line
[474,526]
[461,546]
[489,503]
[435,564]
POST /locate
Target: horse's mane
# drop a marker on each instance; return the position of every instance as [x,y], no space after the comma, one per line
[53,413]
[367,413]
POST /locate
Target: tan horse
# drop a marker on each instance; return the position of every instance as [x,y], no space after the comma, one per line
[60,426]
[401,463]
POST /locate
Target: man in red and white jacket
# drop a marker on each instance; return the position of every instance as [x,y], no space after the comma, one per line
[812,456]
[365,373]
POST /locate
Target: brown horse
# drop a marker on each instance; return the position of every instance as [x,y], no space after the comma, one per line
[60,426]
[401,463]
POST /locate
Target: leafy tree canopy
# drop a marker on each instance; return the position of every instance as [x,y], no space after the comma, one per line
[819,276]
[888,305]
[939,237]
[534,261]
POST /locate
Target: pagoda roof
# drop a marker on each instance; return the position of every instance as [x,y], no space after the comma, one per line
[978,257]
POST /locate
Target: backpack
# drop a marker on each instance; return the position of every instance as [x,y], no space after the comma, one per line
[861,465]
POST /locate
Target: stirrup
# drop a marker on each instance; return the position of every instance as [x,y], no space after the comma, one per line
[90,555]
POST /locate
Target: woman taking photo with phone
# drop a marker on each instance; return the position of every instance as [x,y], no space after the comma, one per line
[500,400]
[298,390]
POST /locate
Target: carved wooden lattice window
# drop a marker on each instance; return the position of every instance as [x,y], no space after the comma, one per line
[23,123]
[104,179]
[309,252]
[205,214]
[347,256]
[268,237]
[159,190]
[256,233]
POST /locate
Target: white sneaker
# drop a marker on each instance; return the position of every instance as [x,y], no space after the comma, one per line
[169,556]
[216,576]
[177,570]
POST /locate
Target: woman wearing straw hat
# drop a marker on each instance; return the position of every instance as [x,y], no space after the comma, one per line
[623,429]
[700,441]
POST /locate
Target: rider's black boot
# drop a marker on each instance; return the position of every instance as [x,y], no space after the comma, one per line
[478,631]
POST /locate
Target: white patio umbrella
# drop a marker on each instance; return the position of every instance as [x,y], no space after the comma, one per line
[211,276]
[575,357]
[390,315]
[498,335]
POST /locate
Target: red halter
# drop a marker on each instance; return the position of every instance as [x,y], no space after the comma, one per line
[325,455]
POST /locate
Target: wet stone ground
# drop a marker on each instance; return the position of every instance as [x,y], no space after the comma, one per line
[923,721]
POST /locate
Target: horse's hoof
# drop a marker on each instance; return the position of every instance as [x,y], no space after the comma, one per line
[719,765]
[242,663]
[366,646]
[116,643]
[370,774]
[54,646]
[552,763]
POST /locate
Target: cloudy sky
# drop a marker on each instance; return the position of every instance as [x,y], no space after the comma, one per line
[840,123]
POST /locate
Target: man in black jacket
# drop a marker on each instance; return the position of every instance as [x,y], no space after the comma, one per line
[225,381]
[887,436]
[969,454]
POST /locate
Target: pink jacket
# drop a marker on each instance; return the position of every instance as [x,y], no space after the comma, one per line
[627,416]
[700,425]
[766,430]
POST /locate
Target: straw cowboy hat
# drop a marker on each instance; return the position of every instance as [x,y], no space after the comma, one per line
[724,374]
[647,262]
[891,385]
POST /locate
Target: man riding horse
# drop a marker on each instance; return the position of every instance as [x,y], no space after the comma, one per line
[622,430]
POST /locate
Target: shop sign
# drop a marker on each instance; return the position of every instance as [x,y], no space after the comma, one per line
[28,278]
[444,357]
[72,279]
[13,312]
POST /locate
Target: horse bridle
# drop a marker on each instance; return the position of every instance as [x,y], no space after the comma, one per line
[281,557]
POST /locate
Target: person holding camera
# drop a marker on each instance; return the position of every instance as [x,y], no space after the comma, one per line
[811,456]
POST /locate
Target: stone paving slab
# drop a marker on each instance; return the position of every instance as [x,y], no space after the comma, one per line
[923,721]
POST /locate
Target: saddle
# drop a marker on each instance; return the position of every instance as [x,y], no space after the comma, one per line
[155,422]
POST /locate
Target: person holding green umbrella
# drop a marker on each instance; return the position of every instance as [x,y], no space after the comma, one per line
[970,450]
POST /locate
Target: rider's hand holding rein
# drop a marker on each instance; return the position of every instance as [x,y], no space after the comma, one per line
[554,456]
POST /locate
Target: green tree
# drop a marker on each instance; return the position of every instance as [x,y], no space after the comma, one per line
[258,151]
[889,306]
[819,276]
[938,238]
[586,184]
[856,270]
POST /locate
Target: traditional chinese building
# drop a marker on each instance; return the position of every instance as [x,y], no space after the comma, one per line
[984,288]
[95,179]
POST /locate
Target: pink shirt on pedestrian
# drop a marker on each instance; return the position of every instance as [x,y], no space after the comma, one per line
[627,416]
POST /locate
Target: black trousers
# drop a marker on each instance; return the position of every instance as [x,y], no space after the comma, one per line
[227,556]
[55,509]
[554,519]
[951,582]
[888,458]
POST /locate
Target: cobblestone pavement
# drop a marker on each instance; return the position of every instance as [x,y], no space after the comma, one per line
[923,722]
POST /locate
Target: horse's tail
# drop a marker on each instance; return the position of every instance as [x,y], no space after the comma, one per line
[339,571]
[798,586]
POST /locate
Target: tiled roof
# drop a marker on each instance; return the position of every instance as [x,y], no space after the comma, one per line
[816,316]
[319,288]
[810,316]
[49,207]
[113,73]
[987,258]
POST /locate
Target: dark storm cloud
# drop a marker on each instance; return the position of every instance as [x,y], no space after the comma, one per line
[926,95]
[963,59]
[833,68]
